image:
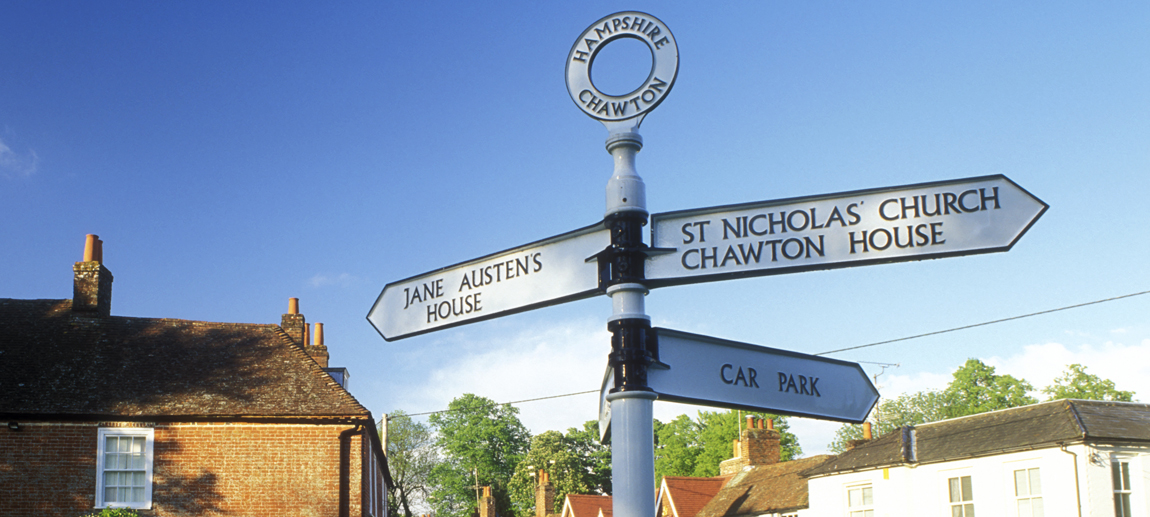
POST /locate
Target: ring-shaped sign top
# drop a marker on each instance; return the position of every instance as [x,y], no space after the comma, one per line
[664,66]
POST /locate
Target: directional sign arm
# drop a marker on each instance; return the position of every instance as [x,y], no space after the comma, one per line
[915,222]
[539,274]
[716,372]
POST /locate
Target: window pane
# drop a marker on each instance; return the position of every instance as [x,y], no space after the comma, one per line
[1116,475]
[1122,505]
[137,462]
[137,495]
[1036,507]
[137,479]
[956,511]
[1035,482]
[855,498]
[1125,476]
[867,496]
[1020,483]
[955,491]
[969,510]
[1024,508]
[138,444]
[966,490]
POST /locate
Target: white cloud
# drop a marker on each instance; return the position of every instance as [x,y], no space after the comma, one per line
[324,280]
[17,165]
[1126,365]
[528,364]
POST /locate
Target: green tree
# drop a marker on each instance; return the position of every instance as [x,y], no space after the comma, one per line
[977,389]
[890,414]
[676,447]
[1075,383]
[575,464]
[688,447]
[410,457]
[477,438]
[974,389]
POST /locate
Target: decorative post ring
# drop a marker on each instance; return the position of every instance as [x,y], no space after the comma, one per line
[664,66]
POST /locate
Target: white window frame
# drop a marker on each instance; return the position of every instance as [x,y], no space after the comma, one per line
[965,498]
[102,435]
[1029,496]
[1116,461]
[863,509]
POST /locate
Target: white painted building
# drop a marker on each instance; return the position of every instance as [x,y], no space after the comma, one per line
[1074,458]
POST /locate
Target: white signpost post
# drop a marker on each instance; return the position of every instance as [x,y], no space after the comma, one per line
[915,222]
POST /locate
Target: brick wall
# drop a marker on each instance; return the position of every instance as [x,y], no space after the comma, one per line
[47,470]
[199,469]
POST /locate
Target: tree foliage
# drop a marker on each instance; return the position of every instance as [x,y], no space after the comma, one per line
[410,457]
[477,438]
[1075,383]
[686,447]
[974,389]
[977,389]
[575,463]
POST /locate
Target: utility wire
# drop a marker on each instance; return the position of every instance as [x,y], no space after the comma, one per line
[983,324]
[907,338]
[498,404]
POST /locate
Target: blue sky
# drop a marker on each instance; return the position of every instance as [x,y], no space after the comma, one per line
[234,155]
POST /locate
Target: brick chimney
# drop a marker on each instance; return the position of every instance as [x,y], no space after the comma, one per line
[297,327]
[867,436]
[755,447]
[293,323]
[92,283]
[544,495]
[487,503]
[315,348]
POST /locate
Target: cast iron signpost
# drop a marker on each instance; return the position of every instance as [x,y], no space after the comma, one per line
[931,220]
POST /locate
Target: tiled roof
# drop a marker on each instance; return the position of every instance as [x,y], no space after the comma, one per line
[577,505]
[54,363]
[1037,425]
[688,495]
[762,489]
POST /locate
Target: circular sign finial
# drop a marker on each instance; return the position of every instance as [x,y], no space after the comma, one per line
[633,106]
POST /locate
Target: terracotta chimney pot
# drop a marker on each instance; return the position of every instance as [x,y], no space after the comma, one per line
[293,305]
[318,335]
[866,431]
[771,424]
[90,248]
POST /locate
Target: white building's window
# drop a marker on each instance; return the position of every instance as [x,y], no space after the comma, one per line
[124,467]
[1120,471]
[860,501]
[961,497]
[1028,492]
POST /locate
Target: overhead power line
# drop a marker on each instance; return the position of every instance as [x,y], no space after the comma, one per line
[497,404]
[985,323]
[907,338]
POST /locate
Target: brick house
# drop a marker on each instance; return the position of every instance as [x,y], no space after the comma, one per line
[685,496]
[754,481]
[176,417]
